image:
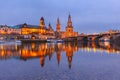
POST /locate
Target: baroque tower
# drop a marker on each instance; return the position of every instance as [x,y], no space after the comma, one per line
[42,29]
[69,27]
[58,27]
[42,23]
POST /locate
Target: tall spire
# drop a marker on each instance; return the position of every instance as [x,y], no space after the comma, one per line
[69,23]
[50,27]
[69,18]
[58,27]
[58,21]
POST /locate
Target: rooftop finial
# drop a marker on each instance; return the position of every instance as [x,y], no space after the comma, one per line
[69,18]
[58,21]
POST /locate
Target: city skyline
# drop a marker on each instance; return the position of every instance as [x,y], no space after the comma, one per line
[87,16]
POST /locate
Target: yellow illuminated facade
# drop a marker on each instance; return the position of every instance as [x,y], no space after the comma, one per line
[41,29]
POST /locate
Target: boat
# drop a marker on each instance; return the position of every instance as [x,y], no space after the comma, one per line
[60,41]
[17,41]
[11,42]
[55,41]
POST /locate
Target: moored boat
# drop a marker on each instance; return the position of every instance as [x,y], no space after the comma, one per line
[55,41]
[10,42]
[17,41]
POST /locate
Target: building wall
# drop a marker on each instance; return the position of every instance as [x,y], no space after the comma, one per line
[39,31]
[8,30]
[29,30]
[69,34]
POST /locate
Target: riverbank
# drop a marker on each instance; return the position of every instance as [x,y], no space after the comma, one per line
[29,40]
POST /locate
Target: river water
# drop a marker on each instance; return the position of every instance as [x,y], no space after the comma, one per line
[60,61]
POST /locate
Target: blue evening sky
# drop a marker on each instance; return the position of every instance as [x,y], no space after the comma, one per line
[88,16]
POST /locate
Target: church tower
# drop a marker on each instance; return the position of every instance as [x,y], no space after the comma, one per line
[69,27]
[42,23]
[42,29]
[50,27]
[58,27]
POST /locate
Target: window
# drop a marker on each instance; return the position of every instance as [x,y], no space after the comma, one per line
[69,30]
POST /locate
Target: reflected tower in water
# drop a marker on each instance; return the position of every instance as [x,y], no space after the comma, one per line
[27,51]
[58,54]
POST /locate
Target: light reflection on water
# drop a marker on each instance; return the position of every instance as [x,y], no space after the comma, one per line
[64,61]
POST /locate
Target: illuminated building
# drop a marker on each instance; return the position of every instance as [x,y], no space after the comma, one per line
[28,30]
[50,30]
[42,30]
[58,26]
[8,30]
[39,30]
[69,29]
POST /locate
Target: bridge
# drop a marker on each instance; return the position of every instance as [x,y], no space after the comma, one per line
[98,37]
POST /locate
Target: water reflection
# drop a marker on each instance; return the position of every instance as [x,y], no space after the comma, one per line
[27,51]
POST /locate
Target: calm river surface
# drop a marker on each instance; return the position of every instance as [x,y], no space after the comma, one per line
[59,61]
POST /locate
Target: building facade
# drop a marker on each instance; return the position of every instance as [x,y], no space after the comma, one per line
[40,30]
[8,30]
[69,32]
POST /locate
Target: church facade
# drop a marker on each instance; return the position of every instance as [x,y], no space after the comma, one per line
[69,31]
